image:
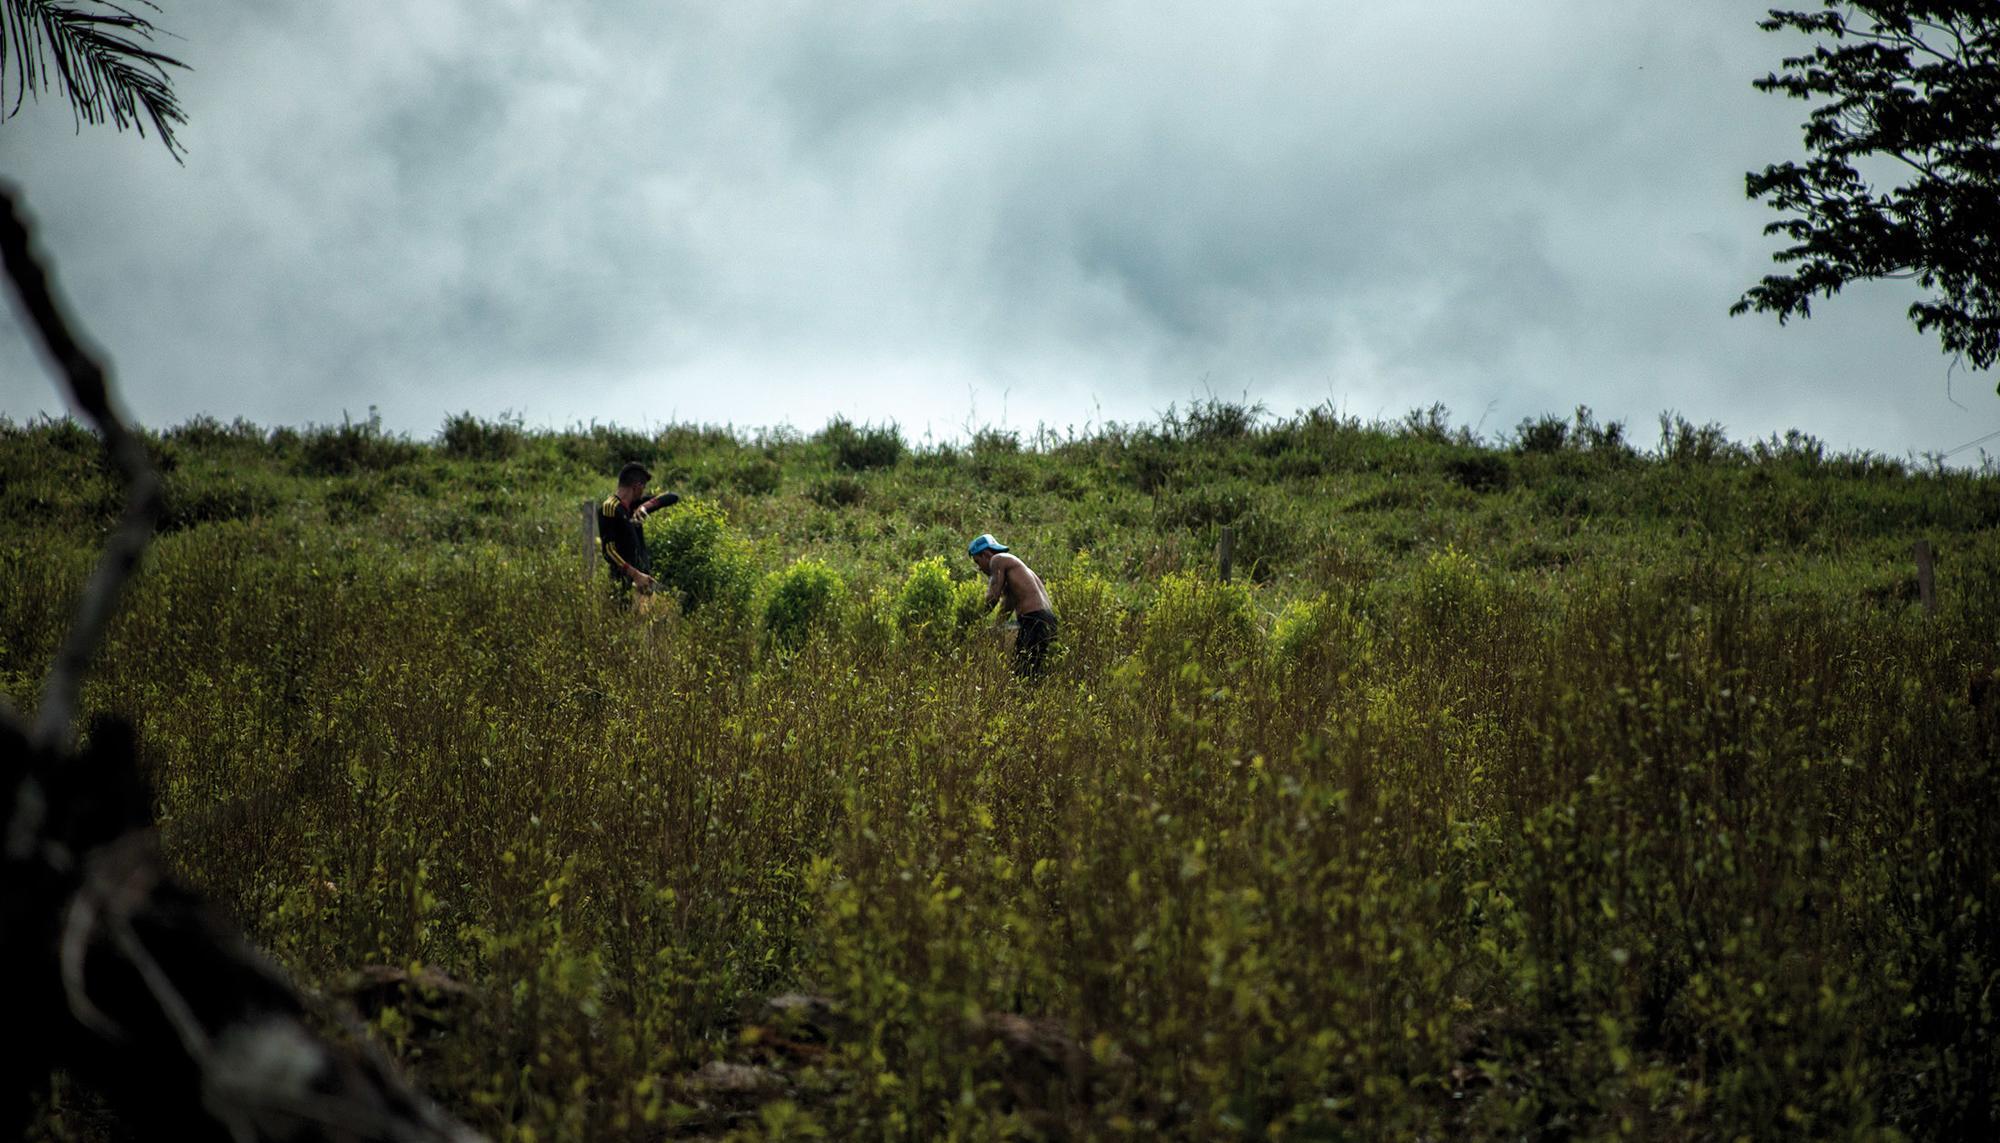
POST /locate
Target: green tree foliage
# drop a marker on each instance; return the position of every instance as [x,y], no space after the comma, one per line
[101,56]
[1914,85]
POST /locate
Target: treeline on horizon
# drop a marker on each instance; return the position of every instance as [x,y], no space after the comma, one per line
[1286,485]
[355,445]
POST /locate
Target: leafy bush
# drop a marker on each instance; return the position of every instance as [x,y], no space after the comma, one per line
[1197,629]
[992,440]
[1566,496]
[1211,421]
[355,499]
[1479,471]
[607,448]
[757,476]
[1093,619]
[1682,443]
[1432,425]
[1545,434]
[210,498]
[837,491]
[864,447]
[206,434]
[698,555]
[350,448]
[1452,599]
[1204,505]
[934,608]
[805,597]
[468,438]
[1319,640]
[1150,465]
[65,434]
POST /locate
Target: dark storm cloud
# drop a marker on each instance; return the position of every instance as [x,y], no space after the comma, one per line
[758,212]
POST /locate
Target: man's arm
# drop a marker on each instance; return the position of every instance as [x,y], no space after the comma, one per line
[638,578]
[663,500]
[996,587]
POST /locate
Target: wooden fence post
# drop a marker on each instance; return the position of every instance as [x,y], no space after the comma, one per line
[589,539]
[1228,549]
[1926,576]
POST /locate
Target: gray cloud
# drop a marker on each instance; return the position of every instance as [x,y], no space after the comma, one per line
[754,213]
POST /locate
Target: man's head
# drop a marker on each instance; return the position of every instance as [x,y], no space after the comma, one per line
[983,548]
[632,481]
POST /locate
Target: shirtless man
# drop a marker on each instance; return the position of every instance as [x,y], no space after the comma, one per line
[1011,583]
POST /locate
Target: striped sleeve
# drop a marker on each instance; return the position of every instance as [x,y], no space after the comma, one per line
[611,528]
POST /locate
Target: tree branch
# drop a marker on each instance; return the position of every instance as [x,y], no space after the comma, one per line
[90,392]
[123,977]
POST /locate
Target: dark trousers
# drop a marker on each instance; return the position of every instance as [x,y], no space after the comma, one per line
[1032,642]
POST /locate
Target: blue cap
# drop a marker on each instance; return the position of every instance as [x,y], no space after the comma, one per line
[984,543]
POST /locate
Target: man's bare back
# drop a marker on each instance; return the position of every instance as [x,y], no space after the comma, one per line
[1015,586]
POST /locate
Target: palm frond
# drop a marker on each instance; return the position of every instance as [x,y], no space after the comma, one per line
[101,54]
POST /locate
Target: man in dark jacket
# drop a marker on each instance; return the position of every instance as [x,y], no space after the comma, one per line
[620,535]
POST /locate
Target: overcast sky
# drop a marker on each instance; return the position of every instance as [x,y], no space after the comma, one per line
[946,214]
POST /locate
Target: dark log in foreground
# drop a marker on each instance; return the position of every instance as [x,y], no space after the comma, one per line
[114,973]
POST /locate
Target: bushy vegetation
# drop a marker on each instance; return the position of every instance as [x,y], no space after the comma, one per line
[698,555]
[464,435]
[866,446]
[1631,793]
[805,597]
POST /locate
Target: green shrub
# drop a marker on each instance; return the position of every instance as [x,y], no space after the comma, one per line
[932,607]
[968,603]
[1480,471]
[211,497]
[1544,434]
[1452,598]
[757,476]
[205,434]
[805,597]
[468,438]
[606,448]
[1319,639]
[349,448]
[698,555]
[1684,443]
[1205,505]
[865,447]
[1092,617]
[1196,628]
[356,499]
[1211,421]
[991,440]
[837,491]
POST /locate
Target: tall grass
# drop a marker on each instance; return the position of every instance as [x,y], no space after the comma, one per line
[1678,839]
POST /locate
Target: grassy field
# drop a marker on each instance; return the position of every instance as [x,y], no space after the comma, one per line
[1568,787]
